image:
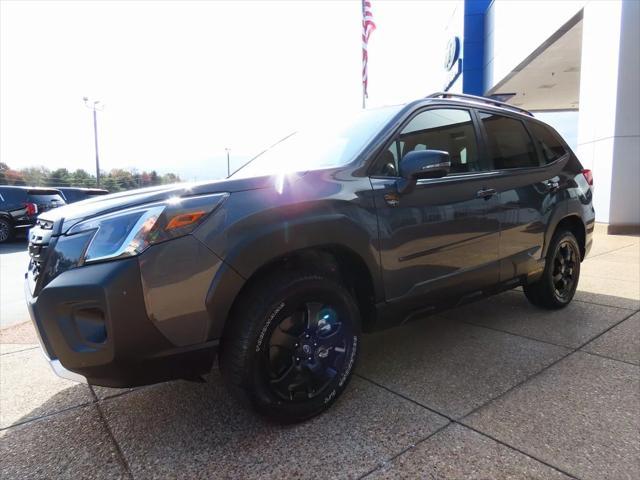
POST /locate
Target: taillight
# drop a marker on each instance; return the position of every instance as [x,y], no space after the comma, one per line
[588,176]
[32,208]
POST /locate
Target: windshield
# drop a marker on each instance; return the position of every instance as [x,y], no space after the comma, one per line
[321,146]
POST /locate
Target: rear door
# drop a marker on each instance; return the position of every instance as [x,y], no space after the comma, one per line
[528,186]
[441,238]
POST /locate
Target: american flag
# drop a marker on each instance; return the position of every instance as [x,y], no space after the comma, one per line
[367,27]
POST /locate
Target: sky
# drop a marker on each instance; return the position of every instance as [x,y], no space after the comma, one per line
[182,81]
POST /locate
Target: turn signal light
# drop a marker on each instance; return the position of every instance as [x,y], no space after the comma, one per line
[185,219]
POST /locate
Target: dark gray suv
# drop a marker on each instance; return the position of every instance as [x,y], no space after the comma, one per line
[337,230]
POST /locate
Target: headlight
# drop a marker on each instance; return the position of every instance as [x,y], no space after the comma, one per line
[129,232]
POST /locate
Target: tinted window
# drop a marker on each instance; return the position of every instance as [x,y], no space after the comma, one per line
[13,196]
[45,197]
[73,195]
[509,144]
[550,145]
[445,129]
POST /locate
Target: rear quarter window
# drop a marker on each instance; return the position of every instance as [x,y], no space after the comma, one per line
[549,142]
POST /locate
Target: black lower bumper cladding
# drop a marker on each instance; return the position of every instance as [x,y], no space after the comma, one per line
[92,320]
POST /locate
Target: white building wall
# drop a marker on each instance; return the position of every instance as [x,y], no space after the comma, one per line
[598,100]
[609,121]
[625,181]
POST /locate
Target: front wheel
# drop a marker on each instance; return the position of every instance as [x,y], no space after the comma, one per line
[557,286]
[291,346]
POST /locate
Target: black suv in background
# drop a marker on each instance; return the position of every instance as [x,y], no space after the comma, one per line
[341,229]
[77,194]
[20,206]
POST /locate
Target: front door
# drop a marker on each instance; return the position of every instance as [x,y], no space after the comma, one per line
[440,239]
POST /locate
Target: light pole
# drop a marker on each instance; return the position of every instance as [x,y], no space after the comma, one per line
[228,163]
[93,105]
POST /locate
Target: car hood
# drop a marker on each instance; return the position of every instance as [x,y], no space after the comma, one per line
[65,217]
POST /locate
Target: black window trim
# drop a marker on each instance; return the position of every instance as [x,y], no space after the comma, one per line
[483,160]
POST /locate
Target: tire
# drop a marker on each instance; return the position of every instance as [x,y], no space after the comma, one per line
[557,286]
[6,230]
[280,364]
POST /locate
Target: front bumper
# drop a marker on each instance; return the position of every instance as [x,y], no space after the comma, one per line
[93,326]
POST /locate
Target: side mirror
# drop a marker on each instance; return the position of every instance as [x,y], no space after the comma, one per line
[422,164]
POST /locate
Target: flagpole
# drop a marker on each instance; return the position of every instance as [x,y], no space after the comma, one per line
[367,27]
[362,33]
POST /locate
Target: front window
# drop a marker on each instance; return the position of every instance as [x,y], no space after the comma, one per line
[447,129]
[327,145]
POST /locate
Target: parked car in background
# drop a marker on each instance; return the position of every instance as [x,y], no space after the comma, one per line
[20,207]
[354,226]
[76,194]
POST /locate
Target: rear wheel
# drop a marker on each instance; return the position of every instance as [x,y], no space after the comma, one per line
[292,345]
[557,286]
[6,230]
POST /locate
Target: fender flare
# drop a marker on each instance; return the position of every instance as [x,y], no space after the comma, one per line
[571,208]
[249,254]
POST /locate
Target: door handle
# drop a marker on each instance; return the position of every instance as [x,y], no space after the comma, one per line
[486,193]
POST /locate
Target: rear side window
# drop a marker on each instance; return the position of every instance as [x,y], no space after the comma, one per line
[509,144]
[549,143]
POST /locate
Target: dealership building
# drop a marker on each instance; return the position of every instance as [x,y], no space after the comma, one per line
[568,62]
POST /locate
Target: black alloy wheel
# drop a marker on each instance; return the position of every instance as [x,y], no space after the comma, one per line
[291,345]
[557,285]
[564,267]
[307,350]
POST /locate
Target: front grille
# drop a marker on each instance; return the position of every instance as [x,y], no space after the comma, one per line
[39,238]
[38,254]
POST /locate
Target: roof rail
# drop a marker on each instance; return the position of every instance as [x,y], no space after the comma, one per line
[475,98]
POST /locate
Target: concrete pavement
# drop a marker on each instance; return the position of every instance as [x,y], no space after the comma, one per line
[496,389]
